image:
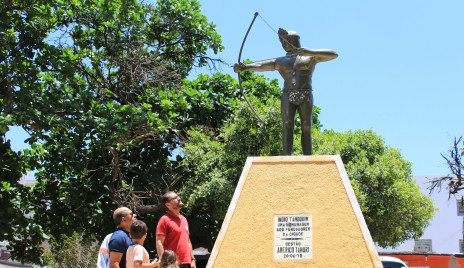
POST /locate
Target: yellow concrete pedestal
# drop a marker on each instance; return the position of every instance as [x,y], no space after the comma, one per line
[294,211]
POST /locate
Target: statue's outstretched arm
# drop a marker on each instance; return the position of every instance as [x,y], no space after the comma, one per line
[258,66]
[319,54]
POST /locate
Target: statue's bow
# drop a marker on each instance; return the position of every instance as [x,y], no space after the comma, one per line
[239,78]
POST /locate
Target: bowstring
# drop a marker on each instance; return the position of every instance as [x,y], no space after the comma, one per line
[285,39]
[268,25]
[273,29]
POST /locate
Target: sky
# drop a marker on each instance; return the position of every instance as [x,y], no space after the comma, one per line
[399,72]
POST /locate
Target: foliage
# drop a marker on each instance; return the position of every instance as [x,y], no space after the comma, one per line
[211,182]
[72,252]
[392,204]
[394,208]
[15,222]
[98,87]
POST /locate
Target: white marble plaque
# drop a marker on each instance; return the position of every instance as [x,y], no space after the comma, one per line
[293,237]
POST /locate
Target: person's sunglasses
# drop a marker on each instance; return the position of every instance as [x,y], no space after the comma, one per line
[172,198]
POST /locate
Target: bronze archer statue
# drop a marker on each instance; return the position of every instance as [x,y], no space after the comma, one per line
[296,68]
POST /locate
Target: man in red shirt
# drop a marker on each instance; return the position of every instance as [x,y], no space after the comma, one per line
[172,232]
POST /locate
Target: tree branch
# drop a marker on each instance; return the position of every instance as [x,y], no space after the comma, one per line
[453,181]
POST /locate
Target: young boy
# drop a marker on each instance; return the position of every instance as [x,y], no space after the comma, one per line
[136,255]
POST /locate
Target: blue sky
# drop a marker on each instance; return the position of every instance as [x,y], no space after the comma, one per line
[399,72]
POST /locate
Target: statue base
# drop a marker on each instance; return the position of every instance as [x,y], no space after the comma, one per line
[294,211]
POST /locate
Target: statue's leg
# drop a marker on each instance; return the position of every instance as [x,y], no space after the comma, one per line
[305,110]
[288,111]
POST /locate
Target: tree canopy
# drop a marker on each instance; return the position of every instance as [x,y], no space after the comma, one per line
[394,208]
[98,87]
[101,88]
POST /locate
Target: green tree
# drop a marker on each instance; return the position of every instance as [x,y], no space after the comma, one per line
[98,87]
[16,225]
[214,160]
[394,208]
[391,202]
[73,251]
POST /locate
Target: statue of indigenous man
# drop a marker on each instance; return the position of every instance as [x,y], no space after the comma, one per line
[296,68]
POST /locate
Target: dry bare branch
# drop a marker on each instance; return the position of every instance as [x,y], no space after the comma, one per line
[455,179]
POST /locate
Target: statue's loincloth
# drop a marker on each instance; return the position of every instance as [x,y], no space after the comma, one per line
[298,96]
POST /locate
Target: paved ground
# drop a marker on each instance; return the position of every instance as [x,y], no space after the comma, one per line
[5,264]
